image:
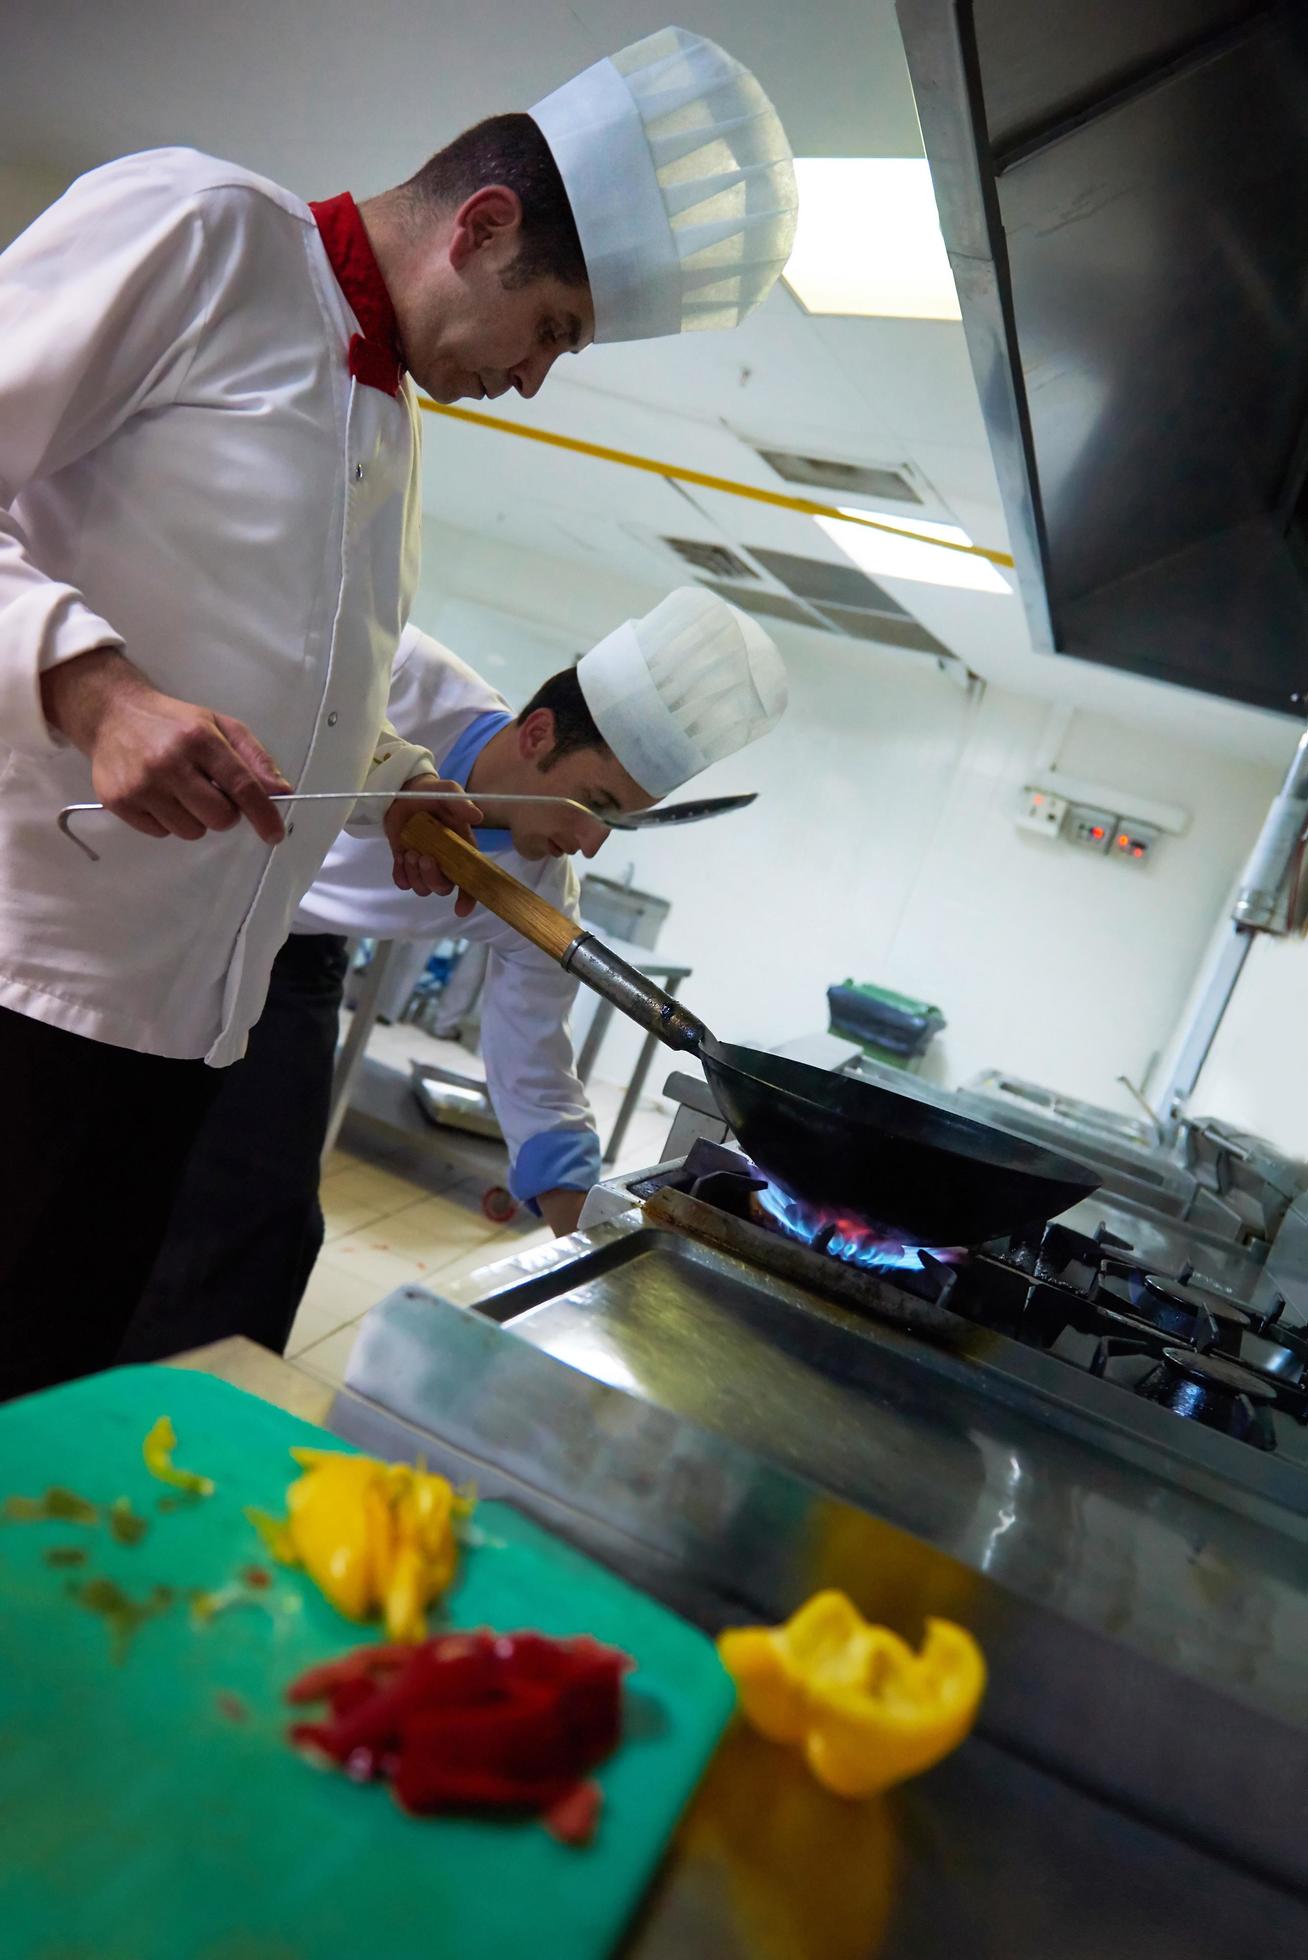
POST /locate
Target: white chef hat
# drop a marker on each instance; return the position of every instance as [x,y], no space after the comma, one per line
[690,683]
[680,180]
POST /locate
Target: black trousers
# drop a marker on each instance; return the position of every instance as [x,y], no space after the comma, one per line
[246,1224]
[92,1144]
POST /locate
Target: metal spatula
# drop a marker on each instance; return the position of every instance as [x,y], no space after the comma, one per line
[665,815]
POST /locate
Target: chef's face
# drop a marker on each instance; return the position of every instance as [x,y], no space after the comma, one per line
[590,776]
[469,329]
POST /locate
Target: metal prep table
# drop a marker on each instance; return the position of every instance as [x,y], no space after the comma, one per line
[997,1854]
[388,1102]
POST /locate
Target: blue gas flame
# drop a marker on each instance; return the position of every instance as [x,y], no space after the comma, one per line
[850,1239]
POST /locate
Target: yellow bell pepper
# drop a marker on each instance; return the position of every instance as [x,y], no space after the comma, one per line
[157,1449]
[864,1707]
[374,1537]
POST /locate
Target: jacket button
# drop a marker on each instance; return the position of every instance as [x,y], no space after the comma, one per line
[358,472]
[332,719]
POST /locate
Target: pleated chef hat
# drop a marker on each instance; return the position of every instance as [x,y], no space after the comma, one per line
[690,683]
[681,182]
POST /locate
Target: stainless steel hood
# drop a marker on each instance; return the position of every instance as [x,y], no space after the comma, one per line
[1123,187]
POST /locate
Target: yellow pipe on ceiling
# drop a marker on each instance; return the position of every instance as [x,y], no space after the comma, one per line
[779,499]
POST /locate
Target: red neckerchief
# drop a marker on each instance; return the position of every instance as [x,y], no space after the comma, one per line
[375,357]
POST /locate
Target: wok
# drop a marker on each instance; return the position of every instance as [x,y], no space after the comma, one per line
[924,1175]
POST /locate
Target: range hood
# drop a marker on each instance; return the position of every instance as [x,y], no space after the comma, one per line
[1123,190]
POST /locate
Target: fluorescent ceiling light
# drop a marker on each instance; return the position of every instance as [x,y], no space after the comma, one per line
[882,556]
[868,240]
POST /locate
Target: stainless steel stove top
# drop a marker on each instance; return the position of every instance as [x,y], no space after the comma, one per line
[1082,1443]
[1138,1579]
[1076,1329]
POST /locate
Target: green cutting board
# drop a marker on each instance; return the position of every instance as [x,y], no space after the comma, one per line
[145,1814]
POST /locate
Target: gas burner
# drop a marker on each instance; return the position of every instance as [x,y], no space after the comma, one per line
[853,1241]
[1086,1299]
[1194,1314]
[727,1181]
[1213,1391]
[1193,1294]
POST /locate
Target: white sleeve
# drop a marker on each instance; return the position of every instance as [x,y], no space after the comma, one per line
[532,1075]
[394,762]
[102,302]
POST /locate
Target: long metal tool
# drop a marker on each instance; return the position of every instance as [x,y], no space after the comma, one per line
[926,1175]
[665,816]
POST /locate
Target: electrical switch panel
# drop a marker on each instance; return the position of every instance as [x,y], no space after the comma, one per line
[1093,830]
[1134,842]
[1040,811]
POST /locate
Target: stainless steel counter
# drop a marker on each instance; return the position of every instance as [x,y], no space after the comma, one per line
[990,1856]
[1146,1646]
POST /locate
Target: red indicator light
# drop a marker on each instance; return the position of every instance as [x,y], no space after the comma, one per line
[1139,850]
[1096,831]
[1123,841]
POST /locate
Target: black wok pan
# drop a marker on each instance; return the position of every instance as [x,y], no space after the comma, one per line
[925,1175]
[928,1176]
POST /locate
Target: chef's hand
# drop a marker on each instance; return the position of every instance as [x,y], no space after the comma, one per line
[414,871]
[168,768]
[561,1210]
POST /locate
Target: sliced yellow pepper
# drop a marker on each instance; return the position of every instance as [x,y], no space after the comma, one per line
[157,1450]
[374,1537]
[866,1710]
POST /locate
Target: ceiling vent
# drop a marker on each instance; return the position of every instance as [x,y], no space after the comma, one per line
[844,479]
[713,560]
[768,605]
[828,584]
[883,631]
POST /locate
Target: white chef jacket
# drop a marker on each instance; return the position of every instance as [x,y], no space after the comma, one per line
[530,1072]
[188,471]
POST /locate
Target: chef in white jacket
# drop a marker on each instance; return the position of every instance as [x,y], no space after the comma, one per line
[209,522]
[649,707]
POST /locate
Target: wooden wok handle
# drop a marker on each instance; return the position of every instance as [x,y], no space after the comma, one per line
[578,952]
[498,890]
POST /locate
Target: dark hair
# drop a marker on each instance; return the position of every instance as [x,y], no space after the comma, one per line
[574,725]
[510,150]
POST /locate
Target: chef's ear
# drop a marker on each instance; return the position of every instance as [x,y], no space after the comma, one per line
[490,219]
[536,735]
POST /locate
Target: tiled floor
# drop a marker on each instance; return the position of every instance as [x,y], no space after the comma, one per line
[385,1230]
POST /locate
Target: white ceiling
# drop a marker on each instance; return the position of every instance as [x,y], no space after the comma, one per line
[325,95]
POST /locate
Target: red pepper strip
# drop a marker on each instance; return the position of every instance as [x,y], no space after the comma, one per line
[424,1787]
[526,1752]
[524,1739]
[573,1818]
[423,1691]
[473,1722]
[374,1725]
[346,1696]
[317,1682]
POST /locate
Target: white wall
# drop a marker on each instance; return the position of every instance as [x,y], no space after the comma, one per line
[882,846]
[1256,1075]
